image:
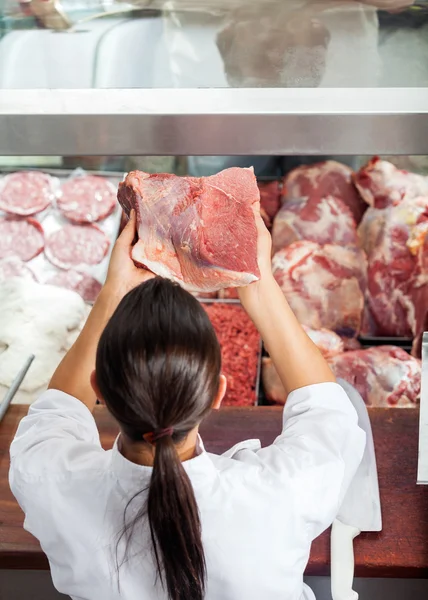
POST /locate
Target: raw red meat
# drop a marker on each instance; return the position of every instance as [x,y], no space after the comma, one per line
[270,200]
[22,238]
[229,294]
[75,245]
[384,375]
[85,285]
[87,199]
[329,344]
[324,179]
[381,184]
[14,267]
[324,220]
[240,346]
[199,232]
[324,284]
[27,192]
[397,268]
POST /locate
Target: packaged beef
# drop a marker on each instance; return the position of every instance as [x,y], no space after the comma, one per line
[381,184]
[85,285]
[240,346]
[397,295]
[76,245]
[329,343]
[87,199]
[324,220]
[21,238]
[14,267]
[324,285]
[27,193]
[385,376]
[270,200]
[324,179]
[199,232]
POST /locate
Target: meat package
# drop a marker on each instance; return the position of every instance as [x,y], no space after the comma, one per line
[381,184]
[323,180]
[199,232]
[397,249]
[240,349]
[325,220]
[324,285]
[385,376]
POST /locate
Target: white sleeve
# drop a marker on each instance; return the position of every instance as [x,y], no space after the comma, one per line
[318,451]
[57,436]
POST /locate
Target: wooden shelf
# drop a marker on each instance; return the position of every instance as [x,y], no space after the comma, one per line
[400,550]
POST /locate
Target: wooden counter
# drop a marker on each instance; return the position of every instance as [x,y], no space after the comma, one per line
[401,550]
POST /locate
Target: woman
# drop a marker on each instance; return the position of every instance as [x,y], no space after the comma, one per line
[158,517]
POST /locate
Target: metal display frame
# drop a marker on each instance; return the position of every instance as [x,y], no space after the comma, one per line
[214,122]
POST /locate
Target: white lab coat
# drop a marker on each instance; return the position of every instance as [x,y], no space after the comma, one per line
[260,507]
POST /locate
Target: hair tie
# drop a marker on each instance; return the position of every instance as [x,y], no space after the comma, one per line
[153,436]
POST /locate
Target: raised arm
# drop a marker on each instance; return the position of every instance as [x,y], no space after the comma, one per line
[74,372]
[297,360]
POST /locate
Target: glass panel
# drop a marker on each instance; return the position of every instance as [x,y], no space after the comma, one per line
[213,44]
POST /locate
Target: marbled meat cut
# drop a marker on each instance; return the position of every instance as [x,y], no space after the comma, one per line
[87,286]
[22,238]
[199,232]
[15,267]
[240,346]
[26,193]
[397,293]
[75,245]
[324,220]
[321,180]
[384,375]
[324,285]
[270,200]
[87,199]
[328,342]
[381,184]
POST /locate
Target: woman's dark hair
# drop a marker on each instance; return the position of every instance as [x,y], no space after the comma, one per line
[158,366]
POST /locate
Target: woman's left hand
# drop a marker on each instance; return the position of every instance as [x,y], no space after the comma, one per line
[122,274]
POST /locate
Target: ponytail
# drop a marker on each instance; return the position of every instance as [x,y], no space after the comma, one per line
[158,367]
[175,526]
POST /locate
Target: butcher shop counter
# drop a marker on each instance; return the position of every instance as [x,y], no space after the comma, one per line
[400,550]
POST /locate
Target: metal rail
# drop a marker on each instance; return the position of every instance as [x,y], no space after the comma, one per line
[214,122]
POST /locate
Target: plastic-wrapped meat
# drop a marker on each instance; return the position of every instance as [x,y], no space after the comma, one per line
[328,178]
[27,193]
[84,284]
[324,284]
[322,220]
[397,268]
[22,238]
[385,375]
[240,346]
[381,184]
[14,267]
[270,200]
[329,343]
